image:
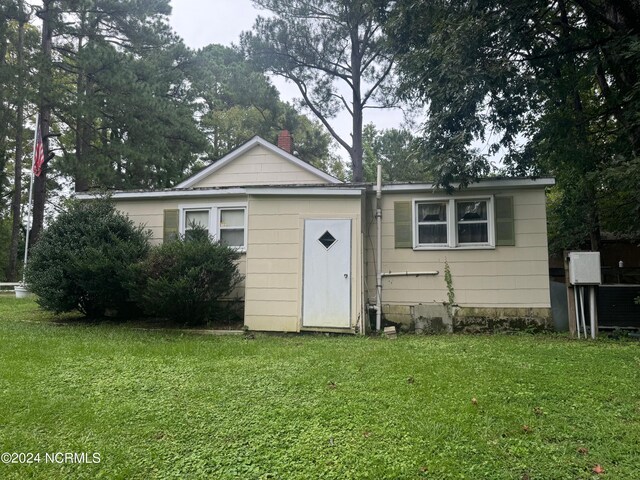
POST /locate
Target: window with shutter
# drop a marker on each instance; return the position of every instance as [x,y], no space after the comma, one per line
[450,222]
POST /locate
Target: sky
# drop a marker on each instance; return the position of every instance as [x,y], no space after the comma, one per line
[202,22]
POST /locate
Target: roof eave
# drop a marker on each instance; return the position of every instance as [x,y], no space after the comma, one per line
[480,185]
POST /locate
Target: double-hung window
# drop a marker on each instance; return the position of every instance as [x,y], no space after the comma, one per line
[231,226]
[432,223]
[453,223]
[472,222]
[226,224]
[194,219]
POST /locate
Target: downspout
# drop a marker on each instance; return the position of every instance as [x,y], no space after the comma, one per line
[379,248]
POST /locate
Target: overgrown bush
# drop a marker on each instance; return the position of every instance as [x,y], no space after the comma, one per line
[83,260]
[185,280]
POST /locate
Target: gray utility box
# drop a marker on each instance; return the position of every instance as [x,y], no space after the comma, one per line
[584,268]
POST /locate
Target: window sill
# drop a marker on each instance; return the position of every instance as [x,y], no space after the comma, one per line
[459,247]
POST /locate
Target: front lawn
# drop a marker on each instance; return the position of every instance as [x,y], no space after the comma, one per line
[165,405]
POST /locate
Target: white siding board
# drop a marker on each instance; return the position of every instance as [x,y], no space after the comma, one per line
[275,294]
[275,308]
[281,265]
[271,280]
[279,250]
[267,222]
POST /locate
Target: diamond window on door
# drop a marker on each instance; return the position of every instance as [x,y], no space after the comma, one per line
[327,240]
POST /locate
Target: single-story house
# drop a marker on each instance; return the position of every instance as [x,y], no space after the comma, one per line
[474,259]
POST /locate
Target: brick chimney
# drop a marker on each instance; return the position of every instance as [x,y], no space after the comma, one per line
[285,141]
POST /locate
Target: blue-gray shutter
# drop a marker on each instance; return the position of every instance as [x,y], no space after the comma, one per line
[170,225]
[402,224]
[505,228]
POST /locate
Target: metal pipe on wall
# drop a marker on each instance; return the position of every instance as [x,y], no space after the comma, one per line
[409,274]
[593,311]
[379,247]
[575,298]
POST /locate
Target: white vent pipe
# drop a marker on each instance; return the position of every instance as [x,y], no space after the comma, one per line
[379,247]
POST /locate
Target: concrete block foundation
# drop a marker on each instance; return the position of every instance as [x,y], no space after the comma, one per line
[438,318]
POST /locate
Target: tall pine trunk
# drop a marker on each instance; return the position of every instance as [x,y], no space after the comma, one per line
[356,67]
[83,130]
[16,201]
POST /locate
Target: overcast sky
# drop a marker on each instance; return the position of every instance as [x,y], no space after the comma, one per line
[201,22]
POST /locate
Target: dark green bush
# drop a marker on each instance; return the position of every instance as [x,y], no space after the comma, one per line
[83,260]
[185,280]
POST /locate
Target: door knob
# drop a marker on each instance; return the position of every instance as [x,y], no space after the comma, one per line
[346,275]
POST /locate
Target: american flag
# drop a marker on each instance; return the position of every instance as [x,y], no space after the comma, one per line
[38,152]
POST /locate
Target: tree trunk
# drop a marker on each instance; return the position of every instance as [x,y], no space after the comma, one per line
[82,129]
[16,201]
[356,71]
[4,107]
[40,182]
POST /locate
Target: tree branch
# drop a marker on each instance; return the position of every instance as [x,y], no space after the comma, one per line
[303,91]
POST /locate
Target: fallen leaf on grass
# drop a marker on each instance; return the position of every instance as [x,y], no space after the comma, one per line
[331,385]
[366,434]
[410,380]
[474,401]
[538,410]
[526,429]
[597,470]
[583,450]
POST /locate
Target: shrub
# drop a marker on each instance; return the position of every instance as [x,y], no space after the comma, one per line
[83,260]
[185,280]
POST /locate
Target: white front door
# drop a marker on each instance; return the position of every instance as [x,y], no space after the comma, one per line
[326,297]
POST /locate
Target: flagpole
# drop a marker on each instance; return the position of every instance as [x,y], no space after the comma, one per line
[33,157]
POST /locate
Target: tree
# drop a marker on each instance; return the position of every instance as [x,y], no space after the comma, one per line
[124,102]
[17,59]
[553,83]
[22,19]
[84,260]
[114,93]
[327,48]
[237,102]
[396,149]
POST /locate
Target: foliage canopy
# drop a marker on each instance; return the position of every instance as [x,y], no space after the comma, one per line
[552,85]
[185,280]
[84,260]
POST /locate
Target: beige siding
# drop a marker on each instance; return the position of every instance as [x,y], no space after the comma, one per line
[506,276]
[259,166]
[273,296]
[150,214]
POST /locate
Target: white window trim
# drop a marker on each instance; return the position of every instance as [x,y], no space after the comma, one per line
[214,218]
[452,224]
[416,228]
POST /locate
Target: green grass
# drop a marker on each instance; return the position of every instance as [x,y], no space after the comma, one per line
[164,405]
